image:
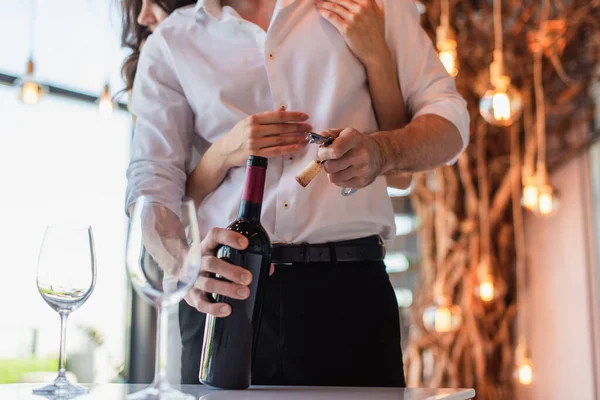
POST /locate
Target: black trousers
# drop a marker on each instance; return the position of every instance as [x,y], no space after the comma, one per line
[322,325]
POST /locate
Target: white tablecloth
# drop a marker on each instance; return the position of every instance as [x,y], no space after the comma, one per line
[119,391]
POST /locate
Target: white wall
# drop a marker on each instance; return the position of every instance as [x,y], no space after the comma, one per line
[560,309]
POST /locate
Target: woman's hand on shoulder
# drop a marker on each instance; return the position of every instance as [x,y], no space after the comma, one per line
[361,23]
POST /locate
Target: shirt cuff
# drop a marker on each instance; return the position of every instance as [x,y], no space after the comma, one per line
[454,113]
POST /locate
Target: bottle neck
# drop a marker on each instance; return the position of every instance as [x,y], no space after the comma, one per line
[250,211]
[252,197]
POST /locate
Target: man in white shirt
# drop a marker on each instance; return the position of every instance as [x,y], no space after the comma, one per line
[330,316]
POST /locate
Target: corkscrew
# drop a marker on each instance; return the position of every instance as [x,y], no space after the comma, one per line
[315,138]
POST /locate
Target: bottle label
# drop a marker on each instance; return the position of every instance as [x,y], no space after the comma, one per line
[255,184]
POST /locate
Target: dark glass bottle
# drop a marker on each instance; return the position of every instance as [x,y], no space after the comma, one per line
[229,343]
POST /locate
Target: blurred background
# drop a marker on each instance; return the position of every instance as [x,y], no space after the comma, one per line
[516,317]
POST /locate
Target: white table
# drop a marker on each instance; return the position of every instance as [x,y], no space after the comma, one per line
[118,391]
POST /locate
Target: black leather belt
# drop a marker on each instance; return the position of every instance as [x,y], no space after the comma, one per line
[370,248]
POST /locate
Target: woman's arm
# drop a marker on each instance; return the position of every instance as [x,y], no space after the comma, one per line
[209,173]
[270,134]
[361,23]
[388,104]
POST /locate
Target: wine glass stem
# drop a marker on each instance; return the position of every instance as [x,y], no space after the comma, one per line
[63,339]
[160,370]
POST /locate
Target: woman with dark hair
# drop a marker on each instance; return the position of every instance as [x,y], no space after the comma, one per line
[140,19]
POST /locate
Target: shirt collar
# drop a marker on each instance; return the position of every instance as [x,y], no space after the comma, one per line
[212,8]
[205,8]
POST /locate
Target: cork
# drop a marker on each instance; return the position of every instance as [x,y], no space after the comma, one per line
[308,173]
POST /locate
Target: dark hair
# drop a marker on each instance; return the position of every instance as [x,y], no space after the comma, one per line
[134,34]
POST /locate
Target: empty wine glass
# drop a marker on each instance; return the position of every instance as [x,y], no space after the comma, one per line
[163,262]
[66,276]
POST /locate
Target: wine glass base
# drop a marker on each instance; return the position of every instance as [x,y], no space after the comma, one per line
[61,388]
[164,392]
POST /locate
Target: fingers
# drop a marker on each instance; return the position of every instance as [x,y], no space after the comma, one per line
[340,24]
[278,129]
[277,117]
[228,271]
[345,142]
[208,284]
[219,236]
[333,132]
[342,177]
[199,300]
[272,269]
[344,9]
[280,150]
[340,164]
[279,140]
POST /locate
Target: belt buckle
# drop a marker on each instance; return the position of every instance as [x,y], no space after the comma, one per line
[305,252]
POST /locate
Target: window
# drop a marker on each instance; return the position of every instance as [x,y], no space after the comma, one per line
[61,162]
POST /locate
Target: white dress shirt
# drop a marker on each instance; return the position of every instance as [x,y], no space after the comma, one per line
[205,69]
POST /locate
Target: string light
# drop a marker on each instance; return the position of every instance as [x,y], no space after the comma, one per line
[501,104]
[486,289]
[446,42]
[530,197]
[29,90]
[442,316]
[546,201]
[524,364]
[525,372]
[546,205]
[105,103]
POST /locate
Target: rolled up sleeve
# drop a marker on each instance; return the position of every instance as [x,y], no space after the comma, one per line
[163,136]
[426,86]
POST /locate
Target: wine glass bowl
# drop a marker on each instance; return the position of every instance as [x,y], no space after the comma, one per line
[163,262]
[66,277]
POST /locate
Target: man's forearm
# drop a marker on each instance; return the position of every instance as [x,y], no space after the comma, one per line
[426,143]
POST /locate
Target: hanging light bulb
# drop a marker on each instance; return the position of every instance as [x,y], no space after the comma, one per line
[530,193]
[525,372]
[442,316]
[524,364]
[29,90]
[105,103]
[501,104]
[486,289]
[446,41]
[446,45]
[547,201]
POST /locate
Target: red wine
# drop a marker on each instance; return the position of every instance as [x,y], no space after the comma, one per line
[229,343]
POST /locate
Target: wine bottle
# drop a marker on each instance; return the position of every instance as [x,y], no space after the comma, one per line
[229,343]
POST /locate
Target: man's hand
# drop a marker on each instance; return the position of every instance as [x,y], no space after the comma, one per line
[205,286]
[353,160]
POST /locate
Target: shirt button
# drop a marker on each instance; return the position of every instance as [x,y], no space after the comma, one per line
[271,56]
[282,107]
[291,158]
[286,205]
